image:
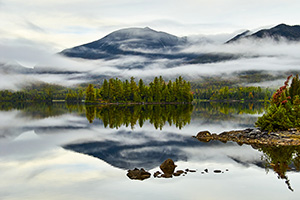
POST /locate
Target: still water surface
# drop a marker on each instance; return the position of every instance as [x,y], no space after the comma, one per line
[77,152]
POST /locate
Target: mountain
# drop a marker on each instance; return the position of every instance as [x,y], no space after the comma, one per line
[279,32]
[167,50]
[239,36]
[148,43]
[130,41]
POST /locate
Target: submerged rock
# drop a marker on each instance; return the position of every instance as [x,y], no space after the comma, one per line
[156,174]
[204,133]
[205,136]
[167,175]
[168,166]
[217,171]
[138,174]
[178,172]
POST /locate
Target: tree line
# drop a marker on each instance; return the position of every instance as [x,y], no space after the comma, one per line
[37,92]
[118,91]
[235,93]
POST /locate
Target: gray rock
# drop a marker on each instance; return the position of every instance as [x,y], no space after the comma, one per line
[248,130]
[255,132]
[274,135]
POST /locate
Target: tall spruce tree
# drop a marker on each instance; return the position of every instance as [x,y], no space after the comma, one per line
[90,93]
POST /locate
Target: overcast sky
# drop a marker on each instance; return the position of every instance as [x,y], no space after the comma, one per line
[60,24]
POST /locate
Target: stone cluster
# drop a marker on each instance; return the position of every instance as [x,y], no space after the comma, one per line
[254,136]
[167,168]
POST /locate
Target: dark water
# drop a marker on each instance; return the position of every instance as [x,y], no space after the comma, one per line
[75,152]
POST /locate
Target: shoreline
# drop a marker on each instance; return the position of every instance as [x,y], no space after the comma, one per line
[253,136]
[136,103]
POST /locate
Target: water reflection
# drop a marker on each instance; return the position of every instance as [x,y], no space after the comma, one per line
[116,116]
[150,153]
[62,152]
[140,152]
[220,111]
[281,159]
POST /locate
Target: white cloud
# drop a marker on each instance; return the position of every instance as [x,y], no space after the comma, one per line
[69,23]
[33,31]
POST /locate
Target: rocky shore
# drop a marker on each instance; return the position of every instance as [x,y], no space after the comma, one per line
[254,136]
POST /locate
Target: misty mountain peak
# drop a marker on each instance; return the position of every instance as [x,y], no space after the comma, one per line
[239,36]
[277,33]
[125,42]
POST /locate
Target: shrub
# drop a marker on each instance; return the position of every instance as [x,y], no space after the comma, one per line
[284,111]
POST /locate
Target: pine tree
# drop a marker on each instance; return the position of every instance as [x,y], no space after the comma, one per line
[105,90]
[142,90]
[90,93]
[111,90]
[126,88]
[156,90]
[133,90]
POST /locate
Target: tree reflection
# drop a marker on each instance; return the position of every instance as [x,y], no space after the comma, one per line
[90,113]
[219,111]
[115,116]
[281,159]
[211,111]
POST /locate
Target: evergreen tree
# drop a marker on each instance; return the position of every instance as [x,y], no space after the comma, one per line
[90,93]
[283,112]
[126,87]
[133,90]
[156,90]
[142,90]
[111,90]
[105,90]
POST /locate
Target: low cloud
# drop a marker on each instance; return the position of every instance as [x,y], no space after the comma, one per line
[258,55]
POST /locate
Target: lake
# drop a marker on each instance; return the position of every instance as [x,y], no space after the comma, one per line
[75,152]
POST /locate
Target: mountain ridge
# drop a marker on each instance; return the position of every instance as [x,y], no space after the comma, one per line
[153,44]
[277,33]
[129,41]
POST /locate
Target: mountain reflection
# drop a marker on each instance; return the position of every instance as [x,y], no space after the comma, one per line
[136,154]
